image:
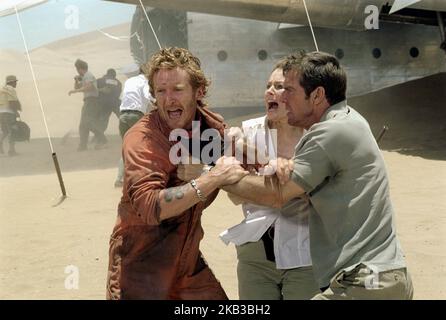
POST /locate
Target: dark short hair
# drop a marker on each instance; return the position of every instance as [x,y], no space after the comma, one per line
[111,72]
[280,64]
[81,64]
[318,69]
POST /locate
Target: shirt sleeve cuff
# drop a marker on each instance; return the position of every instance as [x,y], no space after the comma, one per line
[301,182]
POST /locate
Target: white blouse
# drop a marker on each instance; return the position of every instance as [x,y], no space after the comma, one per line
[291,230]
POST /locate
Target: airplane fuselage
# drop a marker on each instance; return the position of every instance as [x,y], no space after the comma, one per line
[239,54]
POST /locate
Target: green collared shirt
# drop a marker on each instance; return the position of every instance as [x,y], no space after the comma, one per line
[340,167]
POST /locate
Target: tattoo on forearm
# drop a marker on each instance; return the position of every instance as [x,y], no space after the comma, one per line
[168,195]
[175,192]
[179,192]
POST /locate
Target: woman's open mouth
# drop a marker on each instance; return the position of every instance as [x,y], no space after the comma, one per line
[272,105]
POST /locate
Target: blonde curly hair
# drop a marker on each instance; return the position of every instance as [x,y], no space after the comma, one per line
[172,58]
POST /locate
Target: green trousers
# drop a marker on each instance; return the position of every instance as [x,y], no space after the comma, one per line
[259,279]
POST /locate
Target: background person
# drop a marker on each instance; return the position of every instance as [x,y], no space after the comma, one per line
[90,120]
[9,111]
[109,96]
[136,100]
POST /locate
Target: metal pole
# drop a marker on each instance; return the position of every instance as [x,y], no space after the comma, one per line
[59,174]
[381,134]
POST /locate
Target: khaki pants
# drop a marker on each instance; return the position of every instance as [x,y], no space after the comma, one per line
[7,121]
[259,279]
[362,284]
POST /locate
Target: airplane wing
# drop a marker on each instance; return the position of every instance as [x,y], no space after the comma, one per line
[342,14]
[7,7]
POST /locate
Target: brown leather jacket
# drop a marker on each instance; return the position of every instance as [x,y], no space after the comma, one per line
[149,258]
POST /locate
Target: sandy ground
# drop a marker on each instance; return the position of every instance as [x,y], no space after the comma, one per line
[38,241]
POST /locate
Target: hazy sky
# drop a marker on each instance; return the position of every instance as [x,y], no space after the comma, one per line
[57,19]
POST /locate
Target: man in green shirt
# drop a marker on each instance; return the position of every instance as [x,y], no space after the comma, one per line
[338,167]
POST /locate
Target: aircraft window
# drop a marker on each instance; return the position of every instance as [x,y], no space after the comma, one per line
[222,55]
[339,53]
[414,52]
[376,53]
[262,54]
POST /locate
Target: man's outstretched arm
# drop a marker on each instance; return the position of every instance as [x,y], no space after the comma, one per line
[265,190]
[272,191]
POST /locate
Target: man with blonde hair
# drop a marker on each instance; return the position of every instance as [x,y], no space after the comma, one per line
[154,248]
